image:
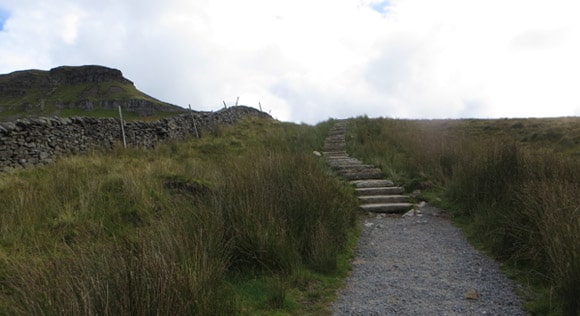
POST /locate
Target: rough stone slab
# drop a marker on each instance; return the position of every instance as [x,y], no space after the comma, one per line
[355,168]
[334,148]
[363,175]
[343,162]
[373,183]
[387,207]
[359,169]
[379,191]
[342,159]
[376,199]
[335,153]
[339,156]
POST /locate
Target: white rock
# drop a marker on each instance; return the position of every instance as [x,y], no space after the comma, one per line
[317,153]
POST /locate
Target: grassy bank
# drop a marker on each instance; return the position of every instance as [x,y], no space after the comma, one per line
[513,184]
[245,221]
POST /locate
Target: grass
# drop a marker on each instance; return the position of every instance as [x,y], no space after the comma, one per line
[244,221]
[43,101]
[513,185]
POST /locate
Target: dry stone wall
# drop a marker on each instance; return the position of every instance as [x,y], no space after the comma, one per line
[32,142]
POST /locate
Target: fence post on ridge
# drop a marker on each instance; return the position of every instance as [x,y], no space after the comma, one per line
[193,120]
[122,128]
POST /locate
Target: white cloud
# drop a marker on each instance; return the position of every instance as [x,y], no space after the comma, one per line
[309,60]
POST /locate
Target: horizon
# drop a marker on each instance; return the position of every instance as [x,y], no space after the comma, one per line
[306,62]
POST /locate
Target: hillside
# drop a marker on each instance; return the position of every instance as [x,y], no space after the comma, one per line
[69,91]
[242,221]
[247,220]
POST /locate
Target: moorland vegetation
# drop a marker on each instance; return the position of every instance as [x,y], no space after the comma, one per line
[242,221]
[247,221]
[512,184]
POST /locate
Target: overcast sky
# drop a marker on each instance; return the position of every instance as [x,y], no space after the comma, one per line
[309,60]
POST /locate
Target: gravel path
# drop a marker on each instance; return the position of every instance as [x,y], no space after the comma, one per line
[422,266]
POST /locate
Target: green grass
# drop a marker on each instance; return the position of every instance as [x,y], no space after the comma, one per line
[513,185]
[43,101]
[244,221]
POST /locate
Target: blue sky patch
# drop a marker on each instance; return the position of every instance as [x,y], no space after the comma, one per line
[381,7]
[4,15]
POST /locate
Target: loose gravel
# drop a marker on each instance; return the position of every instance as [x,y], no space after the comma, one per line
[422,265]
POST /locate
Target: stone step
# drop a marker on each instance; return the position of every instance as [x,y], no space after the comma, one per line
[379,191]
[362,168]
[373,183]
[377,199]
[363,175]
[343,162]
[340,158]
[338,154]
[387,207]
[334,153]
[333,148]
[355,167]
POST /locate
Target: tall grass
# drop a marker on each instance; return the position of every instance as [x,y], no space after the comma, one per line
[521,201]
[159,232]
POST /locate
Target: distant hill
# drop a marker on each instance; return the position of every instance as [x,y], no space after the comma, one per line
[71,91]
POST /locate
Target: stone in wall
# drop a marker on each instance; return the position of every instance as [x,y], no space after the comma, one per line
[26,143]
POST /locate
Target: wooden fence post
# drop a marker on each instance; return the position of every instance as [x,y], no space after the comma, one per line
[193,120]
[122,128]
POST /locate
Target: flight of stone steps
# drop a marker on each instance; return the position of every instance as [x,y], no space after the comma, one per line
[375,194]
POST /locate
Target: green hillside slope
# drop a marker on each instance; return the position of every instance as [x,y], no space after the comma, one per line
[246,221]
[68,91]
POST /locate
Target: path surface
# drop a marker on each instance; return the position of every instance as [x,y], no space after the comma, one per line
[415,264]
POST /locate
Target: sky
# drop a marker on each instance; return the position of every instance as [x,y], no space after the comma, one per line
[311,60]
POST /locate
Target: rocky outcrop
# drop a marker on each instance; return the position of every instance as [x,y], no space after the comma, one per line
[39,141]
[138,106]
[67,75]
[18,82]
[33,93]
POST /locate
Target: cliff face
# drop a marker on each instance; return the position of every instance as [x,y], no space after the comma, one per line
[79,90]
[66,75]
